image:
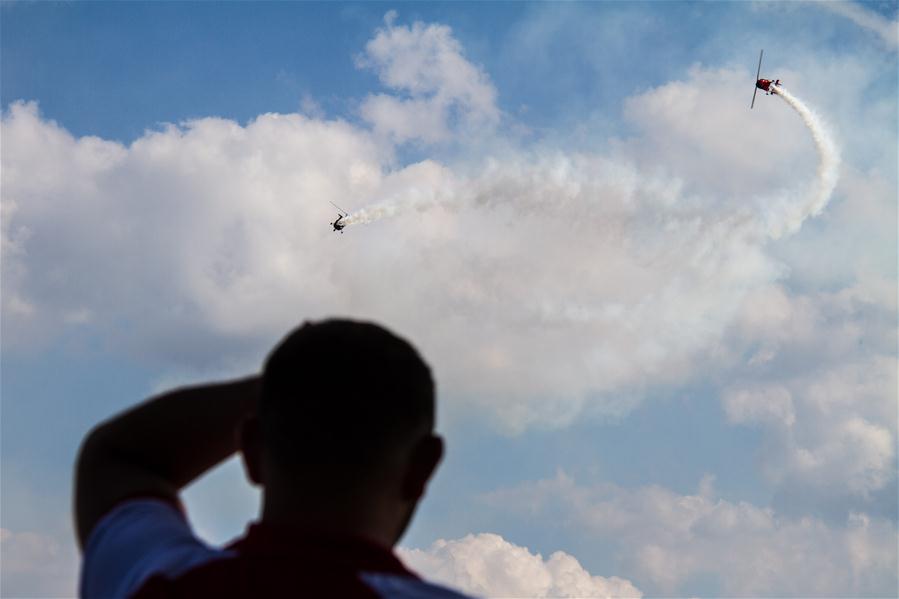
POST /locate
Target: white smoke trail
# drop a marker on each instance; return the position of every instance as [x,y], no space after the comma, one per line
[419,187]
[413,198]
[517,184]
[828,171]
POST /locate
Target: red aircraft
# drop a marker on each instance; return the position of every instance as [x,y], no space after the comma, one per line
[764,84]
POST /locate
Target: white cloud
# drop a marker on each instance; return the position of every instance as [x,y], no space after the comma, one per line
[213,234]
[444,89]
[887,29]
[665,540]
[824,395]
[488,565]
[770,404]
[195,225]
[837,447]
[540,283]
[406,120]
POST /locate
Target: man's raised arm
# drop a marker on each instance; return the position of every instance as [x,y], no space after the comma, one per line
[159,447]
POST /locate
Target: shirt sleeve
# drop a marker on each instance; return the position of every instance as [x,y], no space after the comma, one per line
[137,539]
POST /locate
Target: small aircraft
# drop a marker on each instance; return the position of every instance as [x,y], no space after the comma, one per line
[341,214]
[764,84]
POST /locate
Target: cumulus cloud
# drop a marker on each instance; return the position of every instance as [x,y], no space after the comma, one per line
[195,224]
[830,433]
[488,565]
[214,234]
[441,89]
[816,372]
[666,540]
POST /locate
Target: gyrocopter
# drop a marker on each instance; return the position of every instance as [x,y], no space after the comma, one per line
[341,214]
[764,84]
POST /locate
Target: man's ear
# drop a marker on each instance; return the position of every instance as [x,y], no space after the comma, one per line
[423,462]
[251,449]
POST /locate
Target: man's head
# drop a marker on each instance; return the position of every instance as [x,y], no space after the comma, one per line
[345,422]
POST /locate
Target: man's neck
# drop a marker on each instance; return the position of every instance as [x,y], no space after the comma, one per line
[329,517]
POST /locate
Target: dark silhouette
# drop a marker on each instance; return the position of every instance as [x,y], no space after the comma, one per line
[341,214]
[338,430]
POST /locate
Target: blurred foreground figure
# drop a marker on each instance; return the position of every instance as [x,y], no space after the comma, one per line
[338,430]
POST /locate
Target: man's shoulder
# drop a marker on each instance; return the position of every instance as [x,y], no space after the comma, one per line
[274,561]
[240,576]
[138,539]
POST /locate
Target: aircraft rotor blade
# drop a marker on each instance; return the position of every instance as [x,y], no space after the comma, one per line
[758,71]
[338,207]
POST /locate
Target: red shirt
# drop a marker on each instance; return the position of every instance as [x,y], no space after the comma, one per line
[145,549]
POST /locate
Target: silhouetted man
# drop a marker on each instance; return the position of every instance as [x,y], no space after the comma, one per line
[338,431]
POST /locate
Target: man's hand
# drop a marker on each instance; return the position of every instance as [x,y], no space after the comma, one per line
[159,447]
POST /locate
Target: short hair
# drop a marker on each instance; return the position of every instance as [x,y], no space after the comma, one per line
[341,393]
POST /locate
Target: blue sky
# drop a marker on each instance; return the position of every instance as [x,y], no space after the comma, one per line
[625,374]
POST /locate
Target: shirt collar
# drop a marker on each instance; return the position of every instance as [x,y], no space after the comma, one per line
[358,552]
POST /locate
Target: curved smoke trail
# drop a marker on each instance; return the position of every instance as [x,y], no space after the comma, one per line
[827,175]
[783,213]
